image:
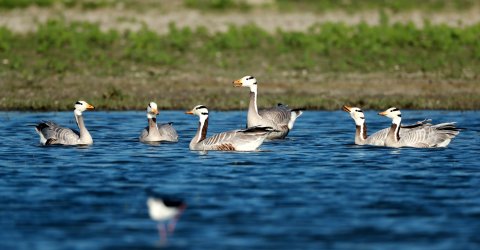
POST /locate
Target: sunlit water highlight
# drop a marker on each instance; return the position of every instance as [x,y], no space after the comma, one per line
[315,190]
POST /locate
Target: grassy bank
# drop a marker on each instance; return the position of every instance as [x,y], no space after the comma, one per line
[331,64]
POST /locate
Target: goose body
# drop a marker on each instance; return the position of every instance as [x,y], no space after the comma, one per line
[235,140]
[51,133]
[425,136]
[378,138]
[157,132]
[280,118]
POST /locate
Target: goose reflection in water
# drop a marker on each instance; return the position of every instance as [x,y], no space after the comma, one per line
[166,211]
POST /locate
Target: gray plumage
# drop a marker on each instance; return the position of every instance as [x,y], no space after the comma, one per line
[425,136]
[377,138]
[157,132]
[280,118]
[235,140]
[50,133]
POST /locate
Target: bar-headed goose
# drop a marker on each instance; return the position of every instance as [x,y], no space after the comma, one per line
[378,138]
[426,136]
[235,140]
[157,132]
[51,133]
[280,118]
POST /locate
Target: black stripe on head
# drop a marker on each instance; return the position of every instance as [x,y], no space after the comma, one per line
[250,78]
[149,105]
[79,103]
[255,83]
[395,109]
[362,118]
[204,113]
[399,115]
[201,107]
[361,111]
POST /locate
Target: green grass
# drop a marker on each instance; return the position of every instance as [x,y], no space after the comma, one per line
[67,61]
[392,5]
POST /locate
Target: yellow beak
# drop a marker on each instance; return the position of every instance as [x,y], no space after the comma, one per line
[155,111]
[189,112]
[90,107]
[237,83]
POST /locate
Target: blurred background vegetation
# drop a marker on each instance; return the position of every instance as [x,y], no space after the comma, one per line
[323,65]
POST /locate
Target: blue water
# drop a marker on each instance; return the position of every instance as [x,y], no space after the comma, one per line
[315,190]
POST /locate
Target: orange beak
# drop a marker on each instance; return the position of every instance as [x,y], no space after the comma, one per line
[189,112]
[155,111]
[346,108]
[237,83]
[90,107]
[384,113]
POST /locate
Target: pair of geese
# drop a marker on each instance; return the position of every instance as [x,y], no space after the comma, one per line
[273,123]
[419,135]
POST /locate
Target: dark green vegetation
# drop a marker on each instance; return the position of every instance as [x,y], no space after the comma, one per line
[330,65]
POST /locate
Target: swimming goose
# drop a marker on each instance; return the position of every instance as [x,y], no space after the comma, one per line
[235,140]
[378,138]
[425,136]
[50,133]
[280,118]
[157,132]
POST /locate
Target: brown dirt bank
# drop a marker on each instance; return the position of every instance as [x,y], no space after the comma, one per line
[178,90]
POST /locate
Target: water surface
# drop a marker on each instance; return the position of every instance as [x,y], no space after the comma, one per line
[314,190]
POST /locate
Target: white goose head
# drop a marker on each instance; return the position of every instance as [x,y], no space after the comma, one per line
[394,114]
[152,110]
[356,114]
[246,81]
[200,110]
[81,106]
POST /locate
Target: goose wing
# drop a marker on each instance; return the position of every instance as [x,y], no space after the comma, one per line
[280,115]
[230,140]
[168,131]
[430,135]
[378,138]
[54,134]
[144,133]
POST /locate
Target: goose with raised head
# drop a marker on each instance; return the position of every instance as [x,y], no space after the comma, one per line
[280,118]
[426,136]
[50,133]
[377,138]
[157,132]
[235,140]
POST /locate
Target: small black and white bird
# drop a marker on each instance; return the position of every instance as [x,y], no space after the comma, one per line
[166,211]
